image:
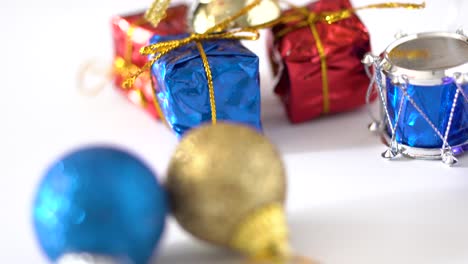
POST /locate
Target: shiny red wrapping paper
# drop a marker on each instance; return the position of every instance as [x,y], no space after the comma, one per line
[297,64]
[131,33]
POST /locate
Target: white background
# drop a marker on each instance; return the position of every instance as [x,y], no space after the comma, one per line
[346,205]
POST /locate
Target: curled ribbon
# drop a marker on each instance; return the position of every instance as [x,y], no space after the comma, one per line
[160,49]
[302,17]
[122,66]
[93,69]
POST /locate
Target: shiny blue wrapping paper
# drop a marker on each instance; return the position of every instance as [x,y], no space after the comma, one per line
[182,88]
[100,200]
[436,102]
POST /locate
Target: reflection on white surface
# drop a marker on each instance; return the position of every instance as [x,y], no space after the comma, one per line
[414,228]
[405,229]
[86,258]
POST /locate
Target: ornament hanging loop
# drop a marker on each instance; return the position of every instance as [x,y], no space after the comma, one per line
[92,70]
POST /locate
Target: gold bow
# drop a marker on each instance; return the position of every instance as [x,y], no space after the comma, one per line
[303,17]
[162,48]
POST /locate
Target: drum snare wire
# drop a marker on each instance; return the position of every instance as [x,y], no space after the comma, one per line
[378,78]
[422,113]
[449,124]
[370,89]
[460,88]
[397,117]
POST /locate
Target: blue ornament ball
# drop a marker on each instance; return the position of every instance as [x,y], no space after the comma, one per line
[100,200]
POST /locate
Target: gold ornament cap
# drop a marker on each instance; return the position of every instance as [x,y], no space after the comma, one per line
[263,234]
[207,13]
[220,177]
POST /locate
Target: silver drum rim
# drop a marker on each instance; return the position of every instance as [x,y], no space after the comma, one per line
[419,77]
[425,153]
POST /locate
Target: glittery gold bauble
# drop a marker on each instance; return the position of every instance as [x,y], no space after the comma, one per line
[207,13]
[227,186]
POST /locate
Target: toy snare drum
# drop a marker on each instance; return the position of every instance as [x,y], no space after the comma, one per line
[422,83]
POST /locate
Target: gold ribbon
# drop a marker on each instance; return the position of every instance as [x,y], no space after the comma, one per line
[305,18]
[162,48]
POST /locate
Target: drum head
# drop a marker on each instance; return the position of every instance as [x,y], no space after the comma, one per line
[429,52]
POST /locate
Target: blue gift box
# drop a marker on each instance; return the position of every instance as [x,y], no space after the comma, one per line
[182,88]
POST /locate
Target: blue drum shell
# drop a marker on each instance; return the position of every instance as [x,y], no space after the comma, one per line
[436,102]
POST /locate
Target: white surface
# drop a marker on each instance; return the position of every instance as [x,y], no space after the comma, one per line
[346,204]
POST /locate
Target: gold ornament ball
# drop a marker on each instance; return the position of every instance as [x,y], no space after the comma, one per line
[227,186]
[207,13]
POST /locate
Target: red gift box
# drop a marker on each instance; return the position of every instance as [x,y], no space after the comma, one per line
[320,72]
[131,33]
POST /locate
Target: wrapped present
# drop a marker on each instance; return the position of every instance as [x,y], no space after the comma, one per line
[131,33]
[203,77]
[316,53]
[188,96]
[317,59]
